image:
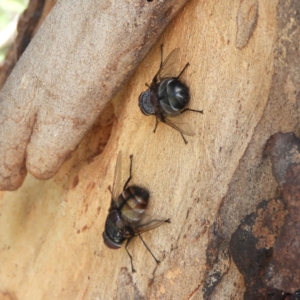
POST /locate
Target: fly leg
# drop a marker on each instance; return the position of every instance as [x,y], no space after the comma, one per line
[184,139]
[182,70]
[189,109]
[130,172]
[132,268]
[156,123]
[161,55]
[109,188]
[157,261]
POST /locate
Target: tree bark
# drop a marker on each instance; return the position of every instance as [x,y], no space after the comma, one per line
[42,118]
[243,74]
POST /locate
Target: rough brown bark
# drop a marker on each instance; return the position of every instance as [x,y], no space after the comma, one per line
[51,231]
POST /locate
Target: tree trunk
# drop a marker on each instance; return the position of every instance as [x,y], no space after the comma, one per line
[243,74]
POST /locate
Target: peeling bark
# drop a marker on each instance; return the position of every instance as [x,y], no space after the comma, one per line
[206,187]
[76,62]
[28,24]
[265,247]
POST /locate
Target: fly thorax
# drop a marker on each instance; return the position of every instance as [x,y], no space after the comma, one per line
[146,102]
[114,228]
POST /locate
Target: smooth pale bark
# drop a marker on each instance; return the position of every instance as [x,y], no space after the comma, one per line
[51,231]
[76,62]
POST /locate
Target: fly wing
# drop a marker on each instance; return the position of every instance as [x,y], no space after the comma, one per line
[177,123]
[118,180]
[170,66]
[148,222]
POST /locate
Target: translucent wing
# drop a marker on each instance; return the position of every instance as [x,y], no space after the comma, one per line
[170,66]
[178,124]
[118,178]
[148,222]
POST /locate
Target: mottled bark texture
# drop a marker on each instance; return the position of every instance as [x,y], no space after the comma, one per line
[267,278]
[76,62]
[228,208]
[265,247]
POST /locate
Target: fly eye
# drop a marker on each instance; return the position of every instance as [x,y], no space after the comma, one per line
[144,96]
[109,242]
[141,97]
[145,103]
